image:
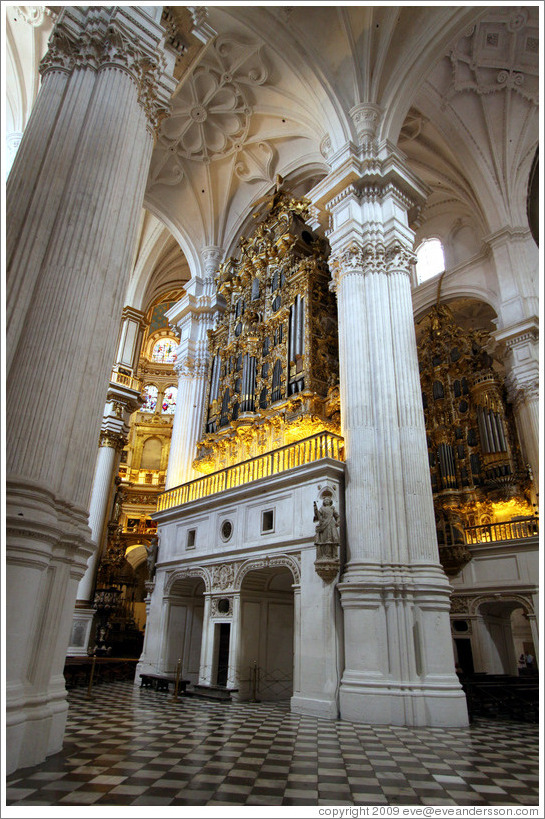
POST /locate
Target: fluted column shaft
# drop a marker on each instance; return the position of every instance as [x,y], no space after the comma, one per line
[187,425]
[70,247]
[124,398]
[106,468]
[521,345]
[391,518]
[399,665]
[196,313]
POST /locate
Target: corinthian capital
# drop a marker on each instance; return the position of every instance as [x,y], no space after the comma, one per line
[115,440]
[100,39]
[188,367]
[522,391]
[366,258]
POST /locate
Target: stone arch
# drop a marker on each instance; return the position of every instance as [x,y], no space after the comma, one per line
[520,600]
[291,562]
[185,574]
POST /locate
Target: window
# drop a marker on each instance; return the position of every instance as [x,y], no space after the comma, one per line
[191,535]
[150,398]
[267,521]
[430,260]
[164,351]
[169,400]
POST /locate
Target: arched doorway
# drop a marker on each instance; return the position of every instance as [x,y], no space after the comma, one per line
[266,647]
[503,635]
[183,632]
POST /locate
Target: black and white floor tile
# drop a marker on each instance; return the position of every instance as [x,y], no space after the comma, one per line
[127,746]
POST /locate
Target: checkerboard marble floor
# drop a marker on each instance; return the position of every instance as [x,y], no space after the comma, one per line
[127,747]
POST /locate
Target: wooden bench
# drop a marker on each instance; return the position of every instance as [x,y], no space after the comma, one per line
[160,682]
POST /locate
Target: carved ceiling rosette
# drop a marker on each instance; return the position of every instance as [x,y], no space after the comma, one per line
[211,113]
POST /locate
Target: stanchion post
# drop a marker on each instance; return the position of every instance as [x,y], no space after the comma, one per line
[91,675]
[253,674]
[176,684]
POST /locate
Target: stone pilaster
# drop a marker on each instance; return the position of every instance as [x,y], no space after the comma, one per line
[76,190]
[399,666]
[195,314]
[516,260]
[521,345]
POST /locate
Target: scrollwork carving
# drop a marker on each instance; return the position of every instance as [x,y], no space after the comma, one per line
[256,163]
[221,607]
[291,562]
[459,605]
[223,576]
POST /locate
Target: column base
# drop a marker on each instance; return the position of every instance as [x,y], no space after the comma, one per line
[399,667]
[314,707]
[47,547]
[372,703]
[35,727]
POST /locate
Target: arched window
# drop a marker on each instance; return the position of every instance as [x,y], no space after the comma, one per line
[430,260]
[150,398]
[164,351]
[169,400]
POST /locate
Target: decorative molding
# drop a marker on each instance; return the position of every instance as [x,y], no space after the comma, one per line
[211,113]
[191,367]
[214,607]
[202,30]
[459,605]
[100,48]
[35,15]
[115,440]
[326,147]
[366,117]
[290,561]
[187,574]
[521,394]
[524,600]
[223,576]
[212,257]
[371,257]
[256,163]
[484,60]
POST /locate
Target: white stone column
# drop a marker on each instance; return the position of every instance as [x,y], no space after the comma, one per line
[83,615]
[208,643]
[399,665]
[521,343]
[155,639]
[316,627]
[71,228]
[124,398]
[196,313]
[235,642]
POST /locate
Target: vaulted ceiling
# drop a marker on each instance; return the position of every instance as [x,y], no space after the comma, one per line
[267,90]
